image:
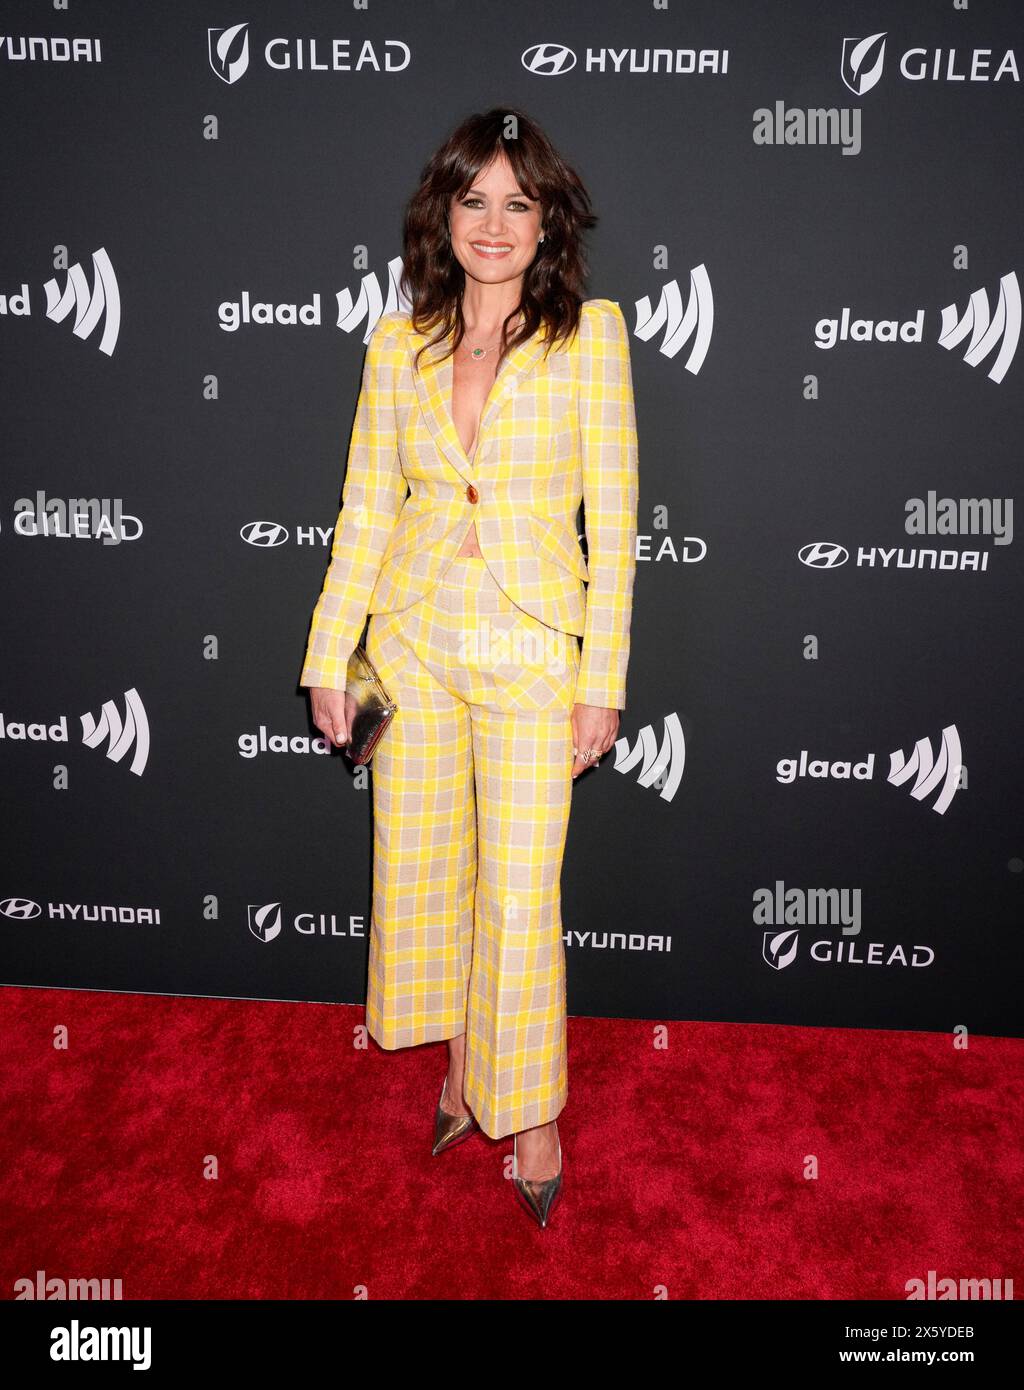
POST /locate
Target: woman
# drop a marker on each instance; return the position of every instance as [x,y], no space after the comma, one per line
[519,407]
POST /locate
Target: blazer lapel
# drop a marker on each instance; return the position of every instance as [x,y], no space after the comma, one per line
[434,391]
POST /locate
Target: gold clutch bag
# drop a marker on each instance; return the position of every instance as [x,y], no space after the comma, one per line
[369,709]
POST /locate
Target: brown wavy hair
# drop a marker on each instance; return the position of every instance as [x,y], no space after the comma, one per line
[432,278]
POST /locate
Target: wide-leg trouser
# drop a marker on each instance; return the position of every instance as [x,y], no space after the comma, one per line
[472,788]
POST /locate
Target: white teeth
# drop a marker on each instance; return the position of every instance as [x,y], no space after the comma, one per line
[490,250]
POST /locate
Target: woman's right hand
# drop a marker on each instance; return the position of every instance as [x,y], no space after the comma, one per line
[329,714]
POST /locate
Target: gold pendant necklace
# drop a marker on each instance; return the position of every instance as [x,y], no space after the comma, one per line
[479,352]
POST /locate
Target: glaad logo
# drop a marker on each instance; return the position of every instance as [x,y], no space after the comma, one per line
[660,767]
[370,305]
[120,736]
[987,330]
[367,307]
[931,772]
[233,313]
[264,534]
[696,321]
[229,52]
[863,59]
[252,745]
[103,301]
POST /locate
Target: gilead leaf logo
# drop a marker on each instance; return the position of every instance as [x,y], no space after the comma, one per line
[779,948]
[265,921]
[862,63]
[229,52]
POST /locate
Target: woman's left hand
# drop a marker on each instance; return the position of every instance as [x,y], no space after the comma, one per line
[594,728]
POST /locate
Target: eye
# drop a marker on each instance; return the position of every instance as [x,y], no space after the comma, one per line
[473,201]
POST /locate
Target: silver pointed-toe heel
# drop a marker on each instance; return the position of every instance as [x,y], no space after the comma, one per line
[450,1129]
[537,1195]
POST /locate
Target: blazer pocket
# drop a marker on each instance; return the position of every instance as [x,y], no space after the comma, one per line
[412,528]
[554,541]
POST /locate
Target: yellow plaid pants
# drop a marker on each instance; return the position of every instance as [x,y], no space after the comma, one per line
[472,787]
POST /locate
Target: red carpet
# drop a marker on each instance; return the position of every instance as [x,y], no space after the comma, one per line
[684,1168]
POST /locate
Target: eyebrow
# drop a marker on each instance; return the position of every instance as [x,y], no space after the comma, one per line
[516,194]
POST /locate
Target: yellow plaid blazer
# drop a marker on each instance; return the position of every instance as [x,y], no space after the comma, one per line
[555,429]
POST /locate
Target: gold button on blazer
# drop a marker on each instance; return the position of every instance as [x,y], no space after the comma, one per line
[556,429]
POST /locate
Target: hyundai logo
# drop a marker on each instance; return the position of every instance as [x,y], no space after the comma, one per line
[549,59]
[824,555]
[264,533]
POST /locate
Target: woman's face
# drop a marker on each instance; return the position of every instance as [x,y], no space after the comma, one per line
[495,213]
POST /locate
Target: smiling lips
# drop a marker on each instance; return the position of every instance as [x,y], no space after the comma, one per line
[492,250]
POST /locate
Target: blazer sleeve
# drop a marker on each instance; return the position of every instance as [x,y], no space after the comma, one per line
[372,497]
[608,443]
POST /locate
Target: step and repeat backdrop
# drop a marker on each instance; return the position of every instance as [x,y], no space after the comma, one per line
[811,218]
